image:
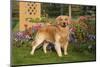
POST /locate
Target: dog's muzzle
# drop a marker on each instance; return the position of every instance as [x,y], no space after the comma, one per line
[64,24]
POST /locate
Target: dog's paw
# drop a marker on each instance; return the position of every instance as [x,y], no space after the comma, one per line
[65,53]
[60,55]
[45,52]
[31,53]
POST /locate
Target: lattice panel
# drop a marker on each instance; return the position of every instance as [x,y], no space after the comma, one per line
[28,11]
[31,8]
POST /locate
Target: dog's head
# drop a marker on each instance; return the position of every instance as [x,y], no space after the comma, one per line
[62,20]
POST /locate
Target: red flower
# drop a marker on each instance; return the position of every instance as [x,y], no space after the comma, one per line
[82,18]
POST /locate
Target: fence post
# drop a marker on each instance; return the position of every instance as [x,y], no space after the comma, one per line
[70,10]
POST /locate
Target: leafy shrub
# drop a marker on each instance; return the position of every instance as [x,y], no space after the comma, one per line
[14,23]
[42,19]
[89,47]
[35,20]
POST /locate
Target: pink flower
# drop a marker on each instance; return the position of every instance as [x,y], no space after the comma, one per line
[82,18]
[73,29]
[36,27]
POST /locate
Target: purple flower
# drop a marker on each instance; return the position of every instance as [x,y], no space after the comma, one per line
[21,36]
[91,37]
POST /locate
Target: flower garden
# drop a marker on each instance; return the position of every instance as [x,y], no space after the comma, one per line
[82,46]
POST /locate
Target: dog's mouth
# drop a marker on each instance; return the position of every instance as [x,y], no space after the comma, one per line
[64,24]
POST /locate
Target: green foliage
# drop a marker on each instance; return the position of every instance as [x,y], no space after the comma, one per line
[32,20]
[54,10]
[14,23]
[35,20]
[42,19]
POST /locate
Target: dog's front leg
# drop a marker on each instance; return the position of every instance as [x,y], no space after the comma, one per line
[65,48]
[33,49]
[34,45]
[44,47]
[58,49]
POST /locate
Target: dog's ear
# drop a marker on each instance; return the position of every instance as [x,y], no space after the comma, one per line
[58,19]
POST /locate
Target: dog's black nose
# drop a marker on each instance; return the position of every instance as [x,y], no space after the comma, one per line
[64,23]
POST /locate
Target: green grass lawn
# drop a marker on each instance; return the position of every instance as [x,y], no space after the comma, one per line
[21,55]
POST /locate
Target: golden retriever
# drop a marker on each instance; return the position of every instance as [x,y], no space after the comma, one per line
[56,34]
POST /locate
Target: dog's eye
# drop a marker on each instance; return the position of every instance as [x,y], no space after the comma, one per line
[66,19]
[60,19]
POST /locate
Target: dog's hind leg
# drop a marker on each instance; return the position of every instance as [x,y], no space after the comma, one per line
[44,47]
[36,43]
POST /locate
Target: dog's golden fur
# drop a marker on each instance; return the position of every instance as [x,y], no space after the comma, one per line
[55,34]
